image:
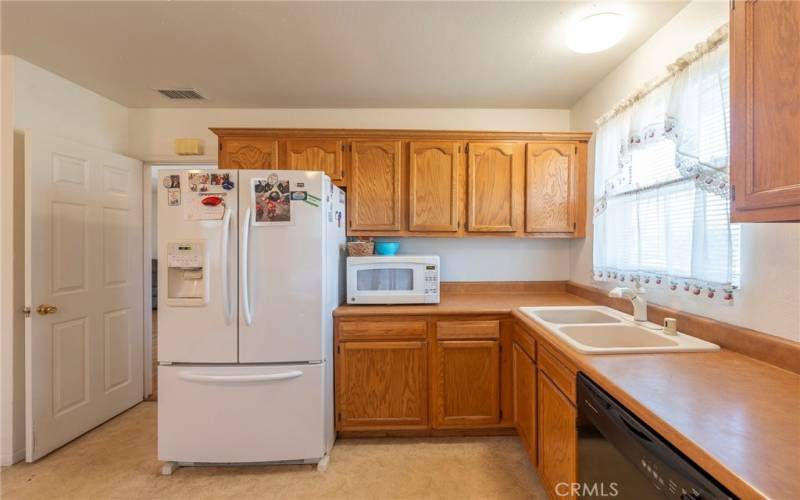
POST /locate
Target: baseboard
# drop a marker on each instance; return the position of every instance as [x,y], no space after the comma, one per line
[10,459]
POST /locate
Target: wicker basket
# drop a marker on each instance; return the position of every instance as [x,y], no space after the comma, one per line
[360,248]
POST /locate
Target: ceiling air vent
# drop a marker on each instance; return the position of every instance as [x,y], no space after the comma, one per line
[180,93]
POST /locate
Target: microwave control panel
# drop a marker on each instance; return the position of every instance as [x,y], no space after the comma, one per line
[431,284]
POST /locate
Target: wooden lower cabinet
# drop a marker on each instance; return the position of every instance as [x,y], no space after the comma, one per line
[524,381]
[467,383]
[382,384]
[558,443]
[423,375]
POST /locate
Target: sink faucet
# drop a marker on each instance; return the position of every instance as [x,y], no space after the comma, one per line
[636,296]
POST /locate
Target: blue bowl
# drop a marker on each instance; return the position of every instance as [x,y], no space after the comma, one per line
[386,247]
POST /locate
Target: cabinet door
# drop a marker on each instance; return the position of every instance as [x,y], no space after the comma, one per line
[765,116]
[557,438]
[324,155]
[550,188]
[248,153]
[467,382]
[524,382]
[382,384]
[433,186]
[494,173]
[373,201]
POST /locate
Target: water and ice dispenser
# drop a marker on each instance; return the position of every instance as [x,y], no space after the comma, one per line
[187,274]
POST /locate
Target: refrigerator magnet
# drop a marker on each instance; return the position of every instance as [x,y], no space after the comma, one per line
[299,195]
[172,181]
[271,199]
[173,197]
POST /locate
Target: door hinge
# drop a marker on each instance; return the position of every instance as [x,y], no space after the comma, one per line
[220,147]
[26,311]
[339,416]
[576,149]
[574,226]
[733,193]
[733,4]
[338,349]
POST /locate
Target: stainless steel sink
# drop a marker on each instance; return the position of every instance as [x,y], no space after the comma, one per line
[602,330]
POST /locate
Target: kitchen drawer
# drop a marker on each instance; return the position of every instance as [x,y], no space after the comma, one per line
[560,375]
[525,342]
[242,413]
[466,330]
[382,330]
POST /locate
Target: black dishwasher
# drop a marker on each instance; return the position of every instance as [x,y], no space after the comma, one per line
[621,457]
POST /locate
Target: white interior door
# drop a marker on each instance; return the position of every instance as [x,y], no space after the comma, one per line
[83,276]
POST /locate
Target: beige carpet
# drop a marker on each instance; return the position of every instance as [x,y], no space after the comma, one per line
[118,460]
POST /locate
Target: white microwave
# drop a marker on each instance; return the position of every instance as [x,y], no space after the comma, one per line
[393,279]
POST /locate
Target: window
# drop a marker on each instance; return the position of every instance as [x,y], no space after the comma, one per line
[661,185]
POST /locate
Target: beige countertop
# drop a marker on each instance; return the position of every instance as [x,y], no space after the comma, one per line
[736,417]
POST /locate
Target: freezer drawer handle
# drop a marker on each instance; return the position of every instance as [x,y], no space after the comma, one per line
[204,377]
[248,313]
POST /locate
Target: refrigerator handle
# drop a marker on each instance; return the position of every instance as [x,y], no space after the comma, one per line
[248,314]
[226,292]
[204,377]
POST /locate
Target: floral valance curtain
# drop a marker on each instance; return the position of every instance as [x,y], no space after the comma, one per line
[661,210]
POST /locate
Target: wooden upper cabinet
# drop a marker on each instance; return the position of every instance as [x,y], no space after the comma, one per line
[494,181]
[467,382]
[248,153]
[374,190]
[765,114]
[550,188]
[433,186]
[382,384]
[326,155]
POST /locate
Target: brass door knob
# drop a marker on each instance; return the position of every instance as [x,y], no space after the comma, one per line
[46,309]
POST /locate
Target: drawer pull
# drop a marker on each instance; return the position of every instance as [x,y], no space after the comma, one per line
[222,379]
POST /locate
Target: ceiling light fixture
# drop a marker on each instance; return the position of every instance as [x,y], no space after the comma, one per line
[596,32]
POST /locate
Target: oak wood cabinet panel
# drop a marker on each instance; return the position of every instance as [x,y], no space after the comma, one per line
[467,383]
[325,155]
[375,187]
[557,438]
[381,330]
[765,113]
[524,382]
[560,375]
[494,184]
[550,188]
[248,153]
[382,384]
[433,186]
[468,330]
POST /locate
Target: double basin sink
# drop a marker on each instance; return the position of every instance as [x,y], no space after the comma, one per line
[602,330]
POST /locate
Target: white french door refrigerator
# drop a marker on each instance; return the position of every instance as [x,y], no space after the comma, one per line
[250,268]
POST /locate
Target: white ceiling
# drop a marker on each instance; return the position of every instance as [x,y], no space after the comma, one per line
[323,55]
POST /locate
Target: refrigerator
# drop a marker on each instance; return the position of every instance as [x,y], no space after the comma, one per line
[250,269]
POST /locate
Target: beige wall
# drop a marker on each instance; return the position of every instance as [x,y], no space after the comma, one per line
[33,98]
[769,299]
[153,130]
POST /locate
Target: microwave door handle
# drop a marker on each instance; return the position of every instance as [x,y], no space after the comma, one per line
[248,313]
[225,265]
